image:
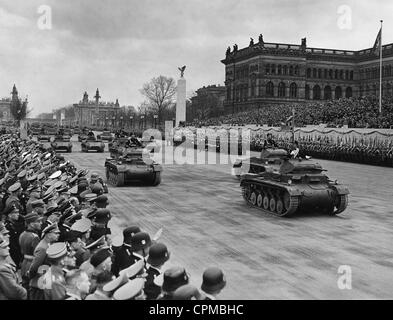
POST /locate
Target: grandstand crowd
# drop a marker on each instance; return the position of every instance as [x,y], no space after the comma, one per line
[353,112]
[56,242]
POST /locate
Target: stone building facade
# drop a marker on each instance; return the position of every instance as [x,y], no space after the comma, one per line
[5,105]
[271,73]
[207,100]
[89,113]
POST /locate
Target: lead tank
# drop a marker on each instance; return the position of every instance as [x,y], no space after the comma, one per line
[134,165]
[283,186]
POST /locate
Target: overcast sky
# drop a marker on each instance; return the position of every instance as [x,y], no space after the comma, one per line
[117,45]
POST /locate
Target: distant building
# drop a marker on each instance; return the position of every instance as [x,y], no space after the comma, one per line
[270,73]
[89,112]
[208,102]
[45,116]
[5,105]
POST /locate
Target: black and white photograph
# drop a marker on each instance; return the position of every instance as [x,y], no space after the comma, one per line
[196,150]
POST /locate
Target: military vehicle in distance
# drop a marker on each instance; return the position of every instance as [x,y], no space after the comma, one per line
[62,143]
[44,135]
[282,186]
[134,164]
[106,135]
[91,143]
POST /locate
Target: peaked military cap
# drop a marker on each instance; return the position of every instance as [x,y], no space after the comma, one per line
[22,174]
[100,242]
[50,228]
[51,208]
[15,187]
[40,176]
[116,283]
[90,197]
[134,269]
[82,225]
[57,250]
[37,203]
[129,290]
[32,177]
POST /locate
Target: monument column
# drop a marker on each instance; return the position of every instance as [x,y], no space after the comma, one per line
[181,98]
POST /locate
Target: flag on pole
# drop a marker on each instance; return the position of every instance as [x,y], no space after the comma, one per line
[378,43]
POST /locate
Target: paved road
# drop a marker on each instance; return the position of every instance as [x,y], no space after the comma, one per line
[207,223]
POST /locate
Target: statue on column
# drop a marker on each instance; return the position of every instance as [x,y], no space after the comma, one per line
[304,43]
[251,42]
[181,69]
[261,39]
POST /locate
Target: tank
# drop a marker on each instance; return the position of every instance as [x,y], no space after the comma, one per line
[282,186]
[92,144]
[132,166]
[62,143]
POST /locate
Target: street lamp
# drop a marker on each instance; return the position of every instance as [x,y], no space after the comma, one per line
[113,121]
[142,117]
[121,122]
[131,118]
[155,121]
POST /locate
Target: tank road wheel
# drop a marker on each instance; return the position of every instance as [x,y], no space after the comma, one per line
[266,202]
[253,198]
[156,178]
[280,207]
[260,200]
[272,204]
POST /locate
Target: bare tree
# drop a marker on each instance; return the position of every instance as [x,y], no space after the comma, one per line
[159,93]
[19,110]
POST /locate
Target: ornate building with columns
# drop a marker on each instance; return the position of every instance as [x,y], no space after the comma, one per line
[94,112]
[275,73]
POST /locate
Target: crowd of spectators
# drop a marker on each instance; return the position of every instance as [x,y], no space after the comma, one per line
[354,112]
[56,242]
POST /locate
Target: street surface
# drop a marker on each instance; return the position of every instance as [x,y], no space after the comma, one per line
[206,223]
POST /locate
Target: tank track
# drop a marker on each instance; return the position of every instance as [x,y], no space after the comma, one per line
[291,208]
[343,203]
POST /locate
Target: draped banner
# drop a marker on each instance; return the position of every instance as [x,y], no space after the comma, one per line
[360,136]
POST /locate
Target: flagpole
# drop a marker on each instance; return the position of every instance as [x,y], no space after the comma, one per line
[380,73]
